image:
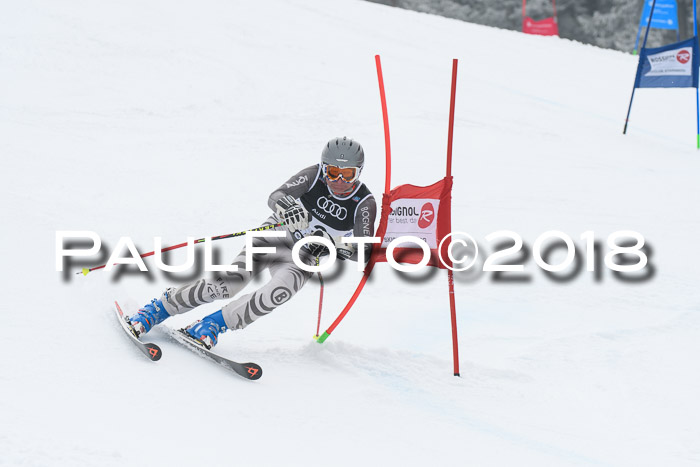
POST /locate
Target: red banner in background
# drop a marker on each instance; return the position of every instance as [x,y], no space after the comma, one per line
[545,27]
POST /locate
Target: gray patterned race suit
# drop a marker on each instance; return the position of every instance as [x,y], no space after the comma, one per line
[352,214]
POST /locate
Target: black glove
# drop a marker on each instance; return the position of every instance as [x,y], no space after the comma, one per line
[294,215]
[319,249]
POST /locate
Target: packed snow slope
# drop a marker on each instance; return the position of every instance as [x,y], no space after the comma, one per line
[175,119]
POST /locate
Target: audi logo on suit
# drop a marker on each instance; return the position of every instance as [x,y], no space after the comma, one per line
[329,207]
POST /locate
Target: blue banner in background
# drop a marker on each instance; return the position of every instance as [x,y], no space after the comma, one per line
[665,14]
[670,66]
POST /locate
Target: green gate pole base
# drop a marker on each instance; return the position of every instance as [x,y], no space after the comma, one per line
[323,337]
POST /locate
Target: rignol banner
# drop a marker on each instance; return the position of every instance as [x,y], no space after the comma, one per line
[413,217]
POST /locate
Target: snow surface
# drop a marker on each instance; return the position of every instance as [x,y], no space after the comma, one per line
[147,118]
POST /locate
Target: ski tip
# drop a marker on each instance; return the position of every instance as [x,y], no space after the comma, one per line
[154,352]
[253,371]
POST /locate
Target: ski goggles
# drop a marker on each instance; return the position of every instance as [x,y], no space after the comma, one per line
[333,173]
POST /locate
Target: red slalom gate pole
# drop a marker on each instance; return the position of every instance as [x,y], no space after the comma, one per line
[450,275]
[385,116]
[345,311]
[386,208]
[453,318]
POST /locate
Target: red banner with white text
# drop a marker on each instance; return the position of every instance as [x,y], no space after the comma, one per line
[422,212]
[545,27]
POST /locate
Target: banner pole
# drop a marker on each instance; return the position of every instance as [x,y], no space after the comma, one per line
[629,109]
[651,15]
[639,27]
[450,130]
[523,15]
[697,113]
[696,45]
[639,32]
[639,67]
[450,275]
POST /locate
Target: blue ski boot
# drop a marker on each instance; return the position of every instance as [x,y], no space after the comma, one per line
[148,316]
[207,330]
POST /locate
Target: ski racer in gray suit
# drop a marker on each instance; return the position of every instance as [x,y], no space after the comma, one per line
[326,200]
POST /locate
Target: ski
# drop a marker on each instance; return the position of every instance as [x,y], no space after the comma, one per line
[152,351]
[251,371]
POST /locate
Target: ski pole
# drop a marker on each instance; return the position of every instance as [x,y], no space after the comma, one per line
[320,302]
[85,271]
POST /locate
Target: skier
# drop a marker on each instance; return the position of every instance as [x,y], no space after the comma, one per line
[326,200]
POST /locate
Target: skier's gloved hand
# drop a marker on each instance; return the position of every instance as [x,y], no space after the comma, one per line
[294,215]
[319,249]
[344,250]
